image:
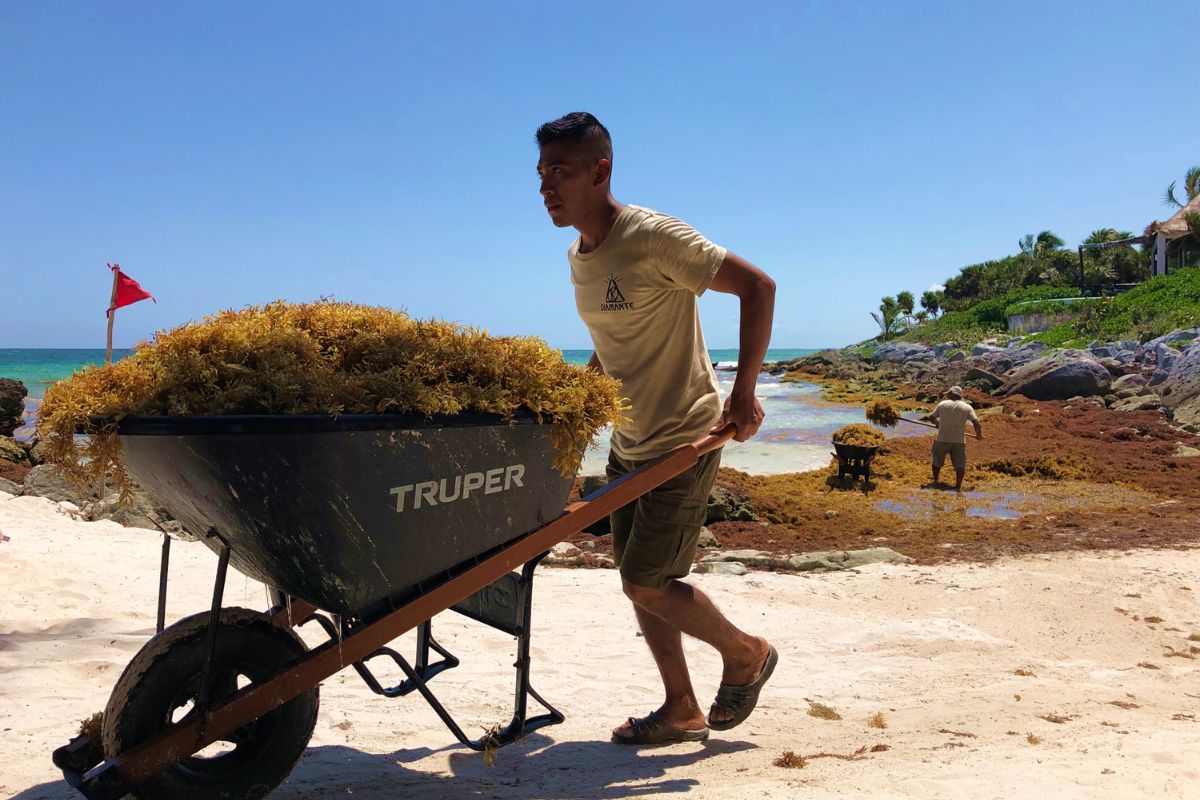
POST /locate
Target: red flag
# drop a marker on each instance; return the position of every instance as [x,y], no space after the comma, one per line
[128,290]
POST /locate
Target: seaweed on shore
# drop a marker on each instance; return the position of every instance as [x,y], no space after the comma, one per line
[321,358]
[883,413]
[858,435]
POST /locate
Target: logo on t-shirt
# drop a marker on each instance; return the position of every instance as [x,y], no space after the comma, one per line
[613,299]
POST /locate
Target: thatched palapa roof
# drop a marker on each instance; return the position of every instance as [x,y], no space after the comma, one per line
[1176,226]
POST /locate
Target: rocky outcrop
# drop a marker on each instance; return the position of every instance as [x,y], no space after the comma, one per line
[12,405]
[11,450]
[728,506]
[140,512]
[44,481]
[8,487]
[902,352]
[1180,390]
[820,561]
[1059,376]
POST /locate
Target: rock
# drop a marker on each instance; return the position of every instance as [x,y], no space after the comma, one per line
[725,505]
[1116,368]
[1128,382]
[44,481]
[1059,376]
[591,483]
[873,555]
[944,348]
[12,405]
[1180,337]
[806,562]
[720,568]
[821,561]
[1180,391]
[70,509]
[980,375]
[8,487]
[1183,451]
[995,363]
[753,558]
[830,514]
[1138,403]
[983,349]
[956,356]
[177,531]
[1165,355]
[131,516]
[10,450]
[900,352]
[707,539]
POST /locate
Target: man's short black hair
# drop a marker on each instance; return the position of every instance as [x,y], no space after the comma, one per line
[580,127]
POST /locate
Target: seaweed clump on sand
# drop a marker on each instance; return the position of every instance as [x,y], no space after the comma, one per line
[321,358]
[883,413]
[858,435]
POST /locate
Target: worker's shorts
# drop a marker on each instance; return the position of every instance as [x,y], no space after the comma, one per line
[956,450]
[655,536]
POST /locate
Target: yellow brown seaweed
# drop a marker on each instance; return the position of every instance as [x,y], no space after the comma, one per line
[321,358]
[858,435]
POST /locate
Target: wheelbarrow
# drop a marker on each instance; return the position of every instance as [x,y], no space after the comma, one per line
[366,525]
[854,461]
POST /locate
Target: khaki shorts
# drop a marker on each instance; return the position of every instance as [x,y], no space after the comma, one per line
[956,450]
[655,536]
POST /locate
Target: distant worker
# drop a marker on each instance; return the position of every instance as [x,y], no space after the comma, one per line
[951,416]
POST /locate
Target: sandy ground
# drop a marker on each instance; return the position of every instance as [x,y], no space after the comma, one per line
[934,649]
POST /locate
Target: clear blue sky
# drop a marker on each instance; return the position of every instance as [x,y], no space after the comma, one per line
[233,153]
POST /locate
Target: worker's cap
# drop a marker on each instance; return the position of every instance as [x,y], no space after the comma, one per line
[953,391]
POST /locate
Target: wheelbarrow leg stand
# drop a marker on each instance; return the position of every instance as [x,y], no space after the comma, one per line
[506,605]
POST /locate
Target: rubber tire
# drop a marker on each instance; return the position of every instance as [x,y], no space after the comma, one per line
[168,669]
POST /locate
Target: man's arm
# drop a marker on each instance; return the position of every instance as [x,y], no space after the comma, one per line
[978,429]
[594,363]
[756,291]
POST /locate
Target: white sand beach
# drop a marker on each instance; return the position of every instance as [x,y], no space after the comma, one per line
[935,650]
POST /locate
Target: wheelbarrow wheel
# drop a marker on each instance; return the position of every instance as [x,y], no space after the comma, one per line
[161,684]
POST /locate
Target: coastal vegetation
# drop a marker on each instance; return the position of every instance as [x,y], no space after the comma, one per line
[1046,277]
[321,358]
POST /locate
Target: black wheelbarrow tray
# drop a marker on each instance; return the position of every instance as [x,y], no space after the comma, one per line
[854,460]
[368,525]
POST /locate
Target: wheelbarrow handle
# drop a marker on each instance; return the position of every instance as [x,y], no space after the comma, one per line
[928,424]
[715,439]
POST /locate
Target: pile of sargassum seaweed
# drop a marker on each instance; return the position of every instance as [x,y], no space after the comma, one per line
[320,358]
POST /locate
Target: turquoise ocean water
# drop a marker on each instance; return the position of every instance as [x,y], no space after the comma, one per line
[795,435]
[37,369]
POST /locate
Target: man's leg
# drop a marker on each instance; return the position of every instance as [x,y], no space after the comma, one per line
[959,457]
[940,450]
[681,607]
[680,707]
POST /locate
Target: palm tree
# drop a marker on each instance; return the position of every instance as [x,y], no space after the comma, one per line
[905,301]
[1040,245]
[931,301]
[1191,187]
[888,317]
[1103,235]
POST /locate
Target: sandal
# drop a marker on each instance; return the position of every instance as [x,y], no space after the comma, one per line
[741,700]
[654,729]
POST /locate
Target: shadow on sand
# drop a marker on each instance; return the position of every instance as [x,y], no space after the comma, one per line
[534,769]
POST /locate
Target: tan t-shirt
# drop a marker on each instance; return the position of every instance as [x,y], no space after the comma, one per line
[637,293]
[952,417]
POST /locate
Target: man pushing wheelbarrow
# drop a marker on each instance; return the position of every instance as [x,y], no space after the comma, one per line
[637,274]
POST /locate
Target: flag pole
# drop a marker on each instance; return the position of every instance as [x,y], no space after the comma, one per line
[112,311]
